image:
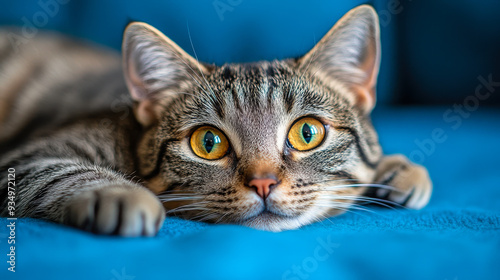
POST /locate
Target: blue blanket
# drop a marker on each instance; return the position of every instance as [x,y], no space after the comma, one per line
[456,237]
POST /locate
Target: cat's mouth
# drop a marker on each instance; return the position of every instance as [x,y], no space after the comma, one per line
[267,220]
[267,213]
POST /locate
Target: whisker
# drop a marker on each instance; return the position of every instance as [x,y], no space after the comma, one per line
[202,215]
[177,210]
[317,219]
[196,57]
[349,208]
[179,198]
[309,63]
[345,209]
[378,201]
[360,185]
[208,217]
[221,217]
[332,180]
[194,72]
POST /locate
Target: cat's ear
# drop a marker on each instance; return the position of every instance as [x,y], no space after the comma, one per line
[349,54]
[156,69]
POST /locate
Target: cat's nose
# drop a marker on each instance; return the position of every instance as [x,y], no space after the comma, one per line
[263,186]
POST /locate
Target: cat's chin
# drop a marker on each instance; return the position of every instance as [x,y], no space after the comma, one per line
[273,222]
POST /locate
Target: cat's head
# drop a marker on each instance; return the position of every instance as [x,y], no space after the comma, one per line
[272,145]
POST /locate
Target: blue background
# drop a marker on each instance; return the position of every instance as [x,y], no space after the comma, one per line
[433,54]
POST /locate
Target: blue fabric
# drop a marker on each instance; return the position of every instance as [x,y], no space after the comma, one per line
[456,237]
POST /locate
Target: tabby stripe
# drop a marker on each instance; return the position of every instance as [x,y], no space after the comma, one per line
[288,100]
[333,155]
[159,159]
[37,173]
[79,150]
[271,84]
[362,153]
[270,96]
[29,176]
[340,174]
[227,75]
[236,98]
[343,147]
[96,153]
[174,186]
[270,75]
[218,105]
[101,154]
[40,194]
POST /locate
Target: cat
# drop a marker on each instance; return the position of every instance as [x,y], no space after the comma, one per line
[112,145]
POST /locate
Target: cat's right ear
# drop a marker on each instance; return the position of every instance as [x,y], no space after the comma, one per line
[349,54]
[156,69]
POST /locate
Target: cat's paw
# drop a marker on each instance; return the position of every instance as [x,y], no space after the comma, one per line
[411,182]
[116,210]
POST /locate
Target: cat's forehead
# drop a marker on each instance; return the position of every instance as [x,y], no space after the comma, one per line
[256,96]
[265,87]
[252,78]
[245,72]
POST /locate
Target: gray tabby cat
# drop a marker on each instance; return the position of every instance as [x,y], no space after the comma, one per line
[270,145]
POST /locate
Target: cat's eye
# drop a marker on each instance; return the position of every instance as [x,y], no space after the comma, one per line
[209,143]
[306,134]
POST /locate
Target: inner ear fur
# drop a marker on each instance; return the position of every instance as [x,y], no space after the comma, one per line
[349,54]
[155,69]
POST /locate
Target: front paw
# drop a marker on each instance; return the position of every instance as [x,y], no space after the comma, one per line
[126,211]
[412,186]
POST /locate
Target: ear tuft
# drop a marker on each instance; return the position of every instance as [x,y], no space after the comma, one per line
[155,69]
[349,54]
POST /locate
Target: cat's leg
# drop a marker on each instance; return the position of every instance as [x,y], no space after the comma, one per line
[83,195]
[411,182]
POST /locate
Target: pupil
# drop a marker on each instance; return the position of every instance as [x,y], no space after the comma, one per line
[209,141]
[306,132]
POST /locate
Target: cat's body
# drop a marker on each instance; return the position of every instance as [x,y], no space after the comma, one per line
[83,147]
[70,114]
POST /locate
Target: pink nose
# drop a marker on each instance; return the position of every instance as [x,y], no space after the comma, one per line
[262,186]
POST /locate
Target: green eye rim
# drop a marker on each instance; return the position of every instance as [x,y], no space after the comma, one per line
[209,143]
[306,134]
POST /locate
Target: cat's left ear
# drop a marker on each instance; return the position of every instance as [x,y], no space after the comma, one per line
[156,69]
[349,54]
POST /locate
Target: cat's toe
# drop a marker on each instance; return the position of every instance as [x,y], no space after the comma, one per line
[409,183]
[117,210]
[140,214]
[413,187]
[80,211]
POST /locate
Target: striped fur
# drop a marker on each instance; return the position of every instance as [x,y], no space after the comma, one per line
[102,152]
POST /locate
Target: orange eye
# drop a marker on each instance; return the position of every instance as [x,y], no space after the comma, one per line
[209,143]
[306,134]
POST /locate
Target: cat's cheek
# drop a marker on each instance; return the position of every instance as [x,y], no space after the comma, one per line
[281,202]
[363,173]
[251,205]
[156,184]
